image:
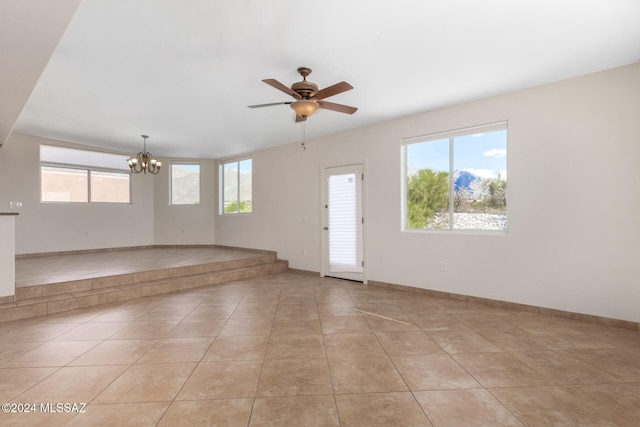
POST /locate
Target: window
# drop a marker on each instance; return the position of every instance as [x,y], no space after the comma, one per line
[457,180]
[236,182]
[185,184]
[81,176]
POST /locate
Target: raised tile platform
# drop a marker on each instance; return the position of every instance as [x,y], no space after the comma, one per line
[53,283]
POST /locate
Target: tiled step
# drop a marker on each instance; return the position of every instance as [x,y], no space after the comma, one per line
[31,301]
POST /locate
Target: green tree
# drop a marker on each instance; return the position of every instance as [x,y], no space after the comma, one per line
[232,207]
[427,194]
[496,193]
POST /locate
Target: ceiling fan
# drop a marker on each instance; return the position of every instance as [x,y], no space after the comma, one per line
[307,96]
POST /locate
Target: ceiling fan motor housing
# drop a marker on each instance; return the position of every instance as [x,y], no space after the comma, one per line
[304,88]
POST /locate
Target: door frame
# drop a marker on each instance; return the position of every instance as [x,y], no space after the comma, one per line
[324,173]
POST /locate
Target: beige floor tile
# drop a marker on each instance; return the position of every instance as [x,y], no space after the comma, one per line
[301,346]
[353,345]
[223,412]
[623,363]
[242,347]
[73,384]
[436,320]
[339,309]
[145,329]
[235,327]
[9,350]
[212,311]
[121,415]
[462,341]
[14,381]
[567,337]
[548,406]
[52,353]
[257,310]
[92,331]
[400,323]
[197,328]
[216,380]
[433,372]
[516,339]
[295,325]
[307,310]
[120,314]
[408,343]
[308,411]
[617,403]
[467,408]
[115,352]
[295,377]
[176,350]
[169,312]
[499,370]
[563,368]
[380,409]
[365,375]
[147,383]
[38,332]
[344,324]
[35,419]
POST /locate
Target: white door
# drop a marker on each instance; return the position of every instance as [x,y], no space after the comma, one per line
[343,223]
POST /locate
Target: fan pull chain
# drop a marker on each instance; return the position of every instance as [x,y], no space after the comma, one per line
[304,135]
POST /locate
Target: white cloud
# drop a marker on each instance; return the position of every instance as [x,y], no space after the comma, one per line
[496,152]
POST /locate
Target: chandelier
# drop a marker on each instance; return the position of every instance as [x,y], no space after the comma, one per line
[144,161]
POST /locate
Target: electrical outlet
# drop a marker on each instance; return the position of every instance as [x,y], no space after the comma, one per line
[443,266]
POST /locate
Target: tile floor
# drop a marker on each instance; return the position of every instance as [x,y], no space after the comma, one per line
[294,350]
[64,267]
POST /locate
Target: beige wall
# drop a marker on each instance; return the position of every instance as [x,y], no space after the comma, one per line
[53,227]
[186,224]
[574,207]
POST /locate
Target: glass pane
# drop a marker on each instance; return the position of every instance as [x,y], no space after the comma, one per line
[480,181]
[245,185]
[230,187]
[185,184]
[83,158]
[64,185]
[344,222]
[110,187]
[428,184]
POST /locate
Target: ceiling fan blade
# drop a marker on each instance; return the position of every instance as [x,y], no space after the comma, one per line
[269,105]
[337,107]
[300,118]
[280,86]
[332,90]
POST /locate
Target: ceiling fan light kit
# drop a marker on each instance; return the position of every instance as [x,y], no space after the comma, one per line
[304,107]
[308,99]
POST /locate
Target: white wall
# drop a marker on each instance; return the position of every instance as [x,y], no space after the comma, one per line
[53,227]
[574,183]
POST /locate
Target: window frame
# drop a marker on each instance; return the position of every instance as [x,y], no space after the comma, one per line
[450,135]
[172,163]
[222,164]
[78,166]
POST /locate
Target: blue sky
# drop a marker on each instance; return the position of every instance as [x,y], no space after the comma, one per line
[484,154]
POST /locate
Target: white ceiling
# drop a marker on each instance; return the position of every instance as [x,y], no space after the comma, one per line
[184,72]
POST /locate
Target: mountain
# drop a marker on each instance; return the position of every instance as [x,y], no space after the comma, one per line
[468,181]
